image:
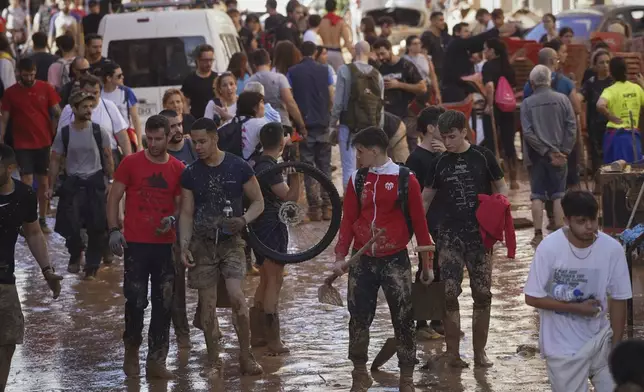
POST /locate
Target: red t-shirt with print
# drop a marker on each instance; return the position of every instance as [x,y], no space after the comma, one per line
[150,193]
[28,109]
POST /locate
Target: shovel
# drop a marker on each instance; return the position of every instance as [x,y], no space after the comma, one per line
[327,294]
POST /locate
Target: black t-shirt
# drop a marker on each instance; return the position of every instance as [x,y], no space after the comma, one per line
[592,90]
[435,49]
[97,67]
[246,37]
[272,203]
[392,123]
[43,61]
[91,22]
[211,186]
[397,100]
[288,31]
[459,179]
[188,120]
[16,208]
[492,72]
[274,21]
[419,162]
[199,91]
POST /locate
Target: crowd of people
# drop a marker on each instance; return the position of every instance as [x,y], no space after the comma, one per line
[173,195]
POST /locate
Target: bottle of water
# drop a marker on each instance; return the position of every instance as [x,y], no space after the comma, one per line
[563,292]
[228,213]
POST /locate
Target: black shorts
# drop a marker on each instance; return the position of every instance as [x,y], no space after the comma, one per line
[276,237]
[33,161]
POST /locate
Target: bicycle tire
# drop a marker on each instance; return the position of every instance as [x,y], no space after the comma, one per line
[334,223]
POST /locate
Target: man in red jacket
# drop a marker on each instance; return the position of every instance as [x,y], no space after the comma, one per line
[455,179]
[386,263]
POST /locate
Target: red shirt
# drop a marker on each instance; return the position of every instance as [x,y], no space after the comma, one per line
[28,109]
[380,209]
[151,189]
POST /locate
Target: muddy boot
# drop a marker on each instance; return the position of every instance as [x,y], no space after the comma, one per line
[90,273]
[247,363]
[452,326]
[74,264]
[214,371]
[131,361]
[257,338]
[157,369]
[406,383]
[275,344]
[480,328]
[362,381]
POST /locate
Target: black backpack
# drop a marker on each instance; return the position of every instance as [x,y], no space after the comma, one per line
[98,138]
[403,192]
[230,137]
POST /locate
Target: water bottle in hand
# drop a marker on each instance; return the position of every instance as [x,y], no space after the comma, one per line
[228,213]
[565,293]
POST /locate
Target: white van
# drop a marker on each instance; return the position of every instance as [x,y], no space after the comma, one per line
[155,48]
[411,17]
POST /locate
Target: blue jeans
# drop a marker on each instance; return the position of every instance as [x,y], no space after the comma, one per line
[347,154]
[547,182]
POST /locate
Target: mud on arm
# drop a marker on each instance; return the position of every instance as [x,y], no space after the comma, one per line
[186,218]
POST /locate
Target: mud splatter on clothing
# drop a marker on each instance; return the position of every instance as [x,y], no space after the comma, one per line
[12,322]
[153,262]
[393,273]
[227,258]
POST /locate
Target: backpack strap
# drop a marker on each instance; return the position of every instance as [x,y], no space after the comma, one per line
[64,133]
[360,179]
[98,138]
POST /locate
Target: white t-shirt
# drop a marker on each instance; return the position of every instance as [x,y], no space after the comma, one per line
[250,135]
[124,99]
[16,18]
[106,114]
[312,36]
[62,23]
[210,110]
[604,272]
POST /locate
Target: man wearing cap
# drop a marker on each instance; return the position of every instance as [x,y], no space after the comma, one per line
[87,149]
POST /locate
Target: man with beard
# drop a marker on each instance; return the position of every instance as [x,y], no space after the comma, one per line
[178,146]
[216,181]
[32,105]
[577,275]
[151,179]
[403,83]
[18,209]
[88,160]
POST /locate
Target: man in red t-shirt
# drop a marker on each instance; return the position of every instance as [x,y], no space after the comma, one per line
[151,179]
[32,105]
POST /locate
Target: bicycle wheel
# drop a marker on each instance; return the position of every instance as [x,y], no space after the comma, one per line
[287,221]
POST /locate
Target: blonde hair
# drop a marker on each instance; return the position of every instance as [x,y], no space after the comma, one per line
[169,93]
[220,79]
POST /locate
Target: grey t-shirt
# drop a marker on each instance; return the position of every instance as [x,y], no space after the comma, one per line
[273,82]
[187,154]
[83,155]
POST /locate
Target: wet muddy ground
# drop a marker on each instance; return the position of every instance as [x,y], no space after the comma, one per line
[74,343]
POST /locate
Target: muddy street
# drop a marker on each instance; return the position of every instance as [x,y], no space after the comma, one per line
[74,343]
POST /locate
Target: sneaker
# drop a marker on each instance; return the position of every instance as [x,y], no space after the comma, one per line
[43,226]
[536,240]
[426,333]
[437,326]
[90,274]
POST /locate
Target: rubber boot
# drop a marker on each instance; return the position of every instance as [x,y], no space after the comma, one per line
[157,369]
[257,328]
[362,381]
[275,344]
[480,329]
[247,363]
[131,366]
[406,379]
[452,326]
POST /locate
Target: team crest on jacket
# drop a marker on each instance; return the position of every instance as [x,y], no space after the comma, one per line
[389,186]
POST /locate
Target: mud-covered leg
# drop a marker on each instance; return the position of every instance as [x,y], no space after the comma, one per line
[248,364]
[135,290]
[396,284]
[479,266]
[162,278]
[179,313]
[6,354]
[256,313]
[362,299]
[451,260]
[208,316]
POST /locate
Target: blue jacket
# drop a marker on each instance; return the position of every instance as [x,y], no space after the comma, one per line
[310,82]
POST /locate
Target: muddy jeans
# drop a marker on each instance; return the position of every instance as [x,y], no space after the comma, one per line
[179,313]
[12,323]
[316,151]
[457,250]
[154,262]
[393,273]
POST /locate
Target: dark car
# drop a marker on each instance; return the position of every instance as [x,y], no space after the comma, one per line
[595,19]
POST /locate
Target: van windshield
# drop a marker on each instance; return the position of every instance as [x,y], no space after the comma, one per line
[401,16]
[155,62]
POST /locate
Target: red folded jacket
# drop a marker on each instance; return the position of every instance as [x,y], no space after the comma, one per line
[495,220]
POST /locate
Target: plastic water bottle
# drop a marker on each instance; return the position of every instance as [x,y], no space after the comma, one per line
[563,292]
[228,213]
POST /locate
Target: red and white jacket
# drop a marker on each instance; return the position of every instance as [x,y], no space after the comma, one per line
[380,209]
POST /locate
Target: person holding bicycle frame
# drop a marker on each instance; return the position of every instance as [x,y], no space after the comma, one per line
[211,242]
[264,316]
[386,263]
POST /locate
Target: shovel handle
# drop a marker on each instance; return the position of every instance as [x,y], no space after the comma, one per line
[356,256]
